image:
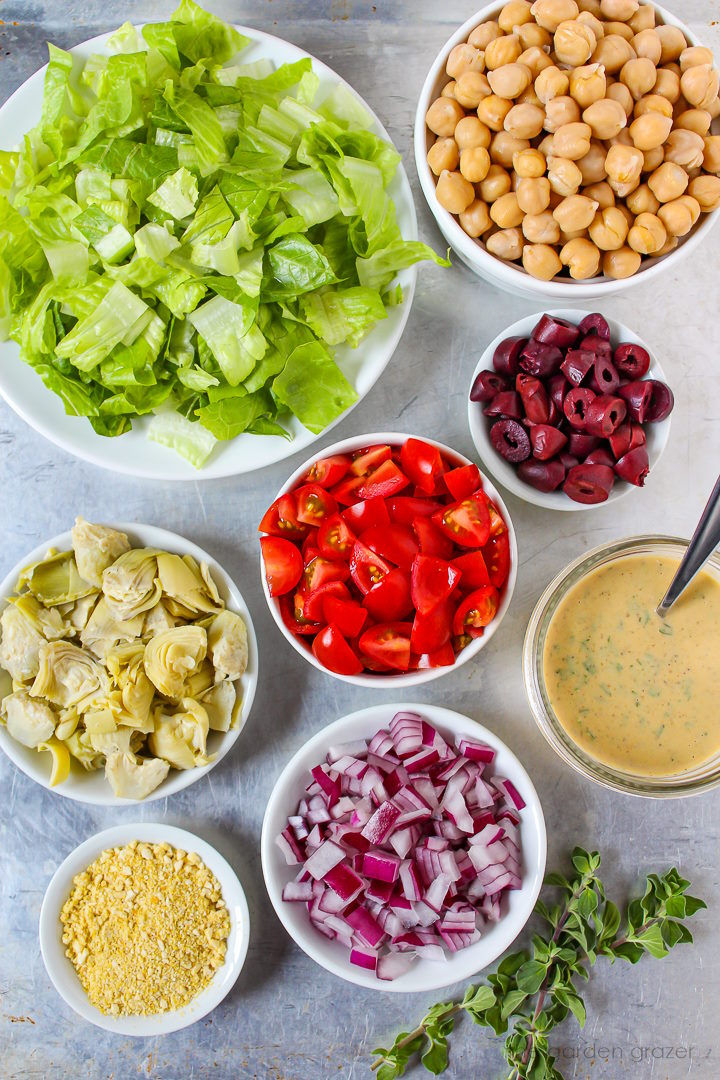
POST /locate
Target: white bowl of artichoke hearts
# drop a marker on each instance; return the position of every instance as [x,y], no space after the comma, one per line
[128,663]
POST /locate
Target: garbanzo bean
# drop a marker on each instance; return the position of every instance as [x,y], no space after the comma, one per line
[545,146]
[619,9]
[454,192]
[506,244]
[587,84]
[506,211]
[443,154]
[550,13]
[619,92]
[605,118]
[574,42]
[647,44]
[622,263]
[536,59]
[510,80]
[493,110]
[564,175]
[697,120]
[642,201]
[609,228]
[667,84]
[706,189]
[471,88]
[680,215]
[541,228]
[612,51]
[581,257]
[560,111]
[647,235]
[643,19]
[531,36]
[602,194]
[623,165]
[639,76]
[575,213]
[620,29]
[541,261]
[514,14]
[590,18]
[464,58]
[529,97]
[533,194]
[711,160]
[472,132]
[592,165]
[496,184]
[694,55]
[551,83]
[653,159]
[483,34]
[443,115]
[475,220]
[529,163]
[650,130]
[448,89]
[672,41]
[686,148]
[504,145]
[714,108]
[475,163]
[653,103]
[700,85]
[502,51]
[525,121]
[670,244]
[668,182]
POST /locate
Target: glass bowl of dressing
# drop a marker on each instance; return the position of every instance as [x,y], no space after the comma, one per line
[626,698]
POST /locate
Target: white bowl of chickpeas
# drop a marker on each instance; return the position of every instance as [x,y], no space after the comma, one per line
[571,148]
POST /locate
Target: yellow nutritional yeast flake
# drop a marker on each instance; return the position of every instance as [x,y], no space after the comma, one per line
[146,928]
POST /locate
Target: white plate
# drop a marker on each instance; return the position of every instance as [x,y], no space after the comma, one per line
[424,974]
[92,787]
[133,453]
[657,435]
[61,971]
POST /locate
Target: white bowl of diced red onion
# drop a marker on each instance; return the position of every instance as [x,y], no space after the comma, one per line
[403,847]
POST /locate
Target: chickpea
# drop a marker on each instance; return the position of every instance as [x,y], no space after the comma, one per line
[672,41]
[529,164]
[627,214]
[545,146]
[533,194]
[572,140]
[609,228]
[448,89]
[504,145]
[506,211]
[639,76]
[686,148]
[667,84]
[464,58]
[443,115]
[613,52]
[514,14]
[483,34]
[587,85]
[670,244]
[700,85]
[530,98]
[531,36]
[643,19]
[650,131]
[589,18]
[471,88]
[510,80]
[575,213]
[506,244]
[619,9]
[475,163]
[623,165]
[652,159]
[619,92]
[471,132]
[619,29]
[525,121]
[711,162]
[496,184]
[694,55]
[476,219]
[642,201]
[536,59]
[564,176]
[668,182]
[653,103]
[559,112]
[697,120]
[714,108]
[622,263]
[647,235]
[581,257]
[541,228]
[443,155]
[551,83]
[647,45]
[601,193]
[680,215]
[574,42]
[706,190]
[606,118]
[493,110]
[541,261]
[454,192]
[592,165]
[501,51]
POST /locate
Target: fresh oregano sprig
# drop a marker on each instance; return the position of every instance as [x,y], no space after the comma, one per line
[536,990]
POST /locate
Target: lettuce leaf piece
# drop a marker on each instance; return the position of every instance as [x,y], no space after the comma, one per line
[177,195]
[337,315]
[231,334]
[295,266]
[191,440]
[114,319]
[232,415]
[313,387]
[202,123]
[378,270]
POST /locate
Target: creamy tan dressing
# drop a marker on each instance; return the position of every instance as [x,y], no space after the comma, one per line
[636,692]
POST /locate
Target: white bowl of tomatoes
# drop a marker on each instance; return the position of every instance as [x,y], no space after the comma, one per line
[388,559]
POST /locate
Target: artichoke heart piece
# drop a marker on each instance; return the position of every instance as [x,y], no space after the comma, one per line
[29,722]
[20,644]
[157,619]
[80,746]
[55,580]
[60,756]
[108,742]
[228,645]
[81,611]
[131,585]
[173,656]
[69,676]
[219,703]
[96,547]
[181,738]
[49,622]
[131,777]
[99,722]
[183,583]
[105,629]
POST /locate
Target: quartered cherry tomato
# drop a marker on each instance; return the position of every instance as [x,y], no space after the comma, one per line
[497,524]
[396,543]
[405,508]
[328,471]
[387,644]
[348,616]
[347,491]
[476,611]
[431,582]
[367,568]
[384,481]
[365,514]
[444,657]
[432,631]
[334,538]
[314,504]
[295,626]
[463,482]
[431,540]
[496,554]
[334,653]
[319,571]
[473,569]
[281,519]
[364,461]
[309,606]
[390,599]
[423,464]
[283,564]
[467,523]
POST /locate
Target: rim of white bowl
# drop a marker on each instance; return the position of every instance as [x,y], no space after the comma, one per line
[504,472]
[412,678]
[61,972]
[509,275]
[289,787]
[141,535]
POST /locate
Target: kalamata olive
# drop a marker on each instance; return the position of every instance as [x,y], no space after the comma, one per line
[540,359]
[506,359]
[568,460]
[600,456]
[576,404]
[543,475]
[487,385]
[581,445]
[637,437]
[558,387]
[604,415]
[661,403]
[634,466]
[596,345]
[559,332]
[577,364]
[589,483]
[511,440]
[555,415]
[605,379]
[595,323]
[546,441]
[638,395]
[620,439]
[632,361]
[507,403]
[534,398]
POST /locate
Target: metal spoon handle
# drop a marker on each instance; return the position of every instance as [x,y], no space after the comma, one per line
[705,539]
